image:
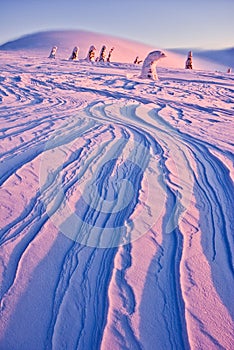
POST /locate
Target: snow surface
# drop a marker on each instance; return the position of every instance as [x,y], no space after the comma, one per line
[116,206]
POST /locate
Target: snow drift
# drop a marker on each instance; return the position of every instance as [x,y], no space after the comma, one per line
[116,217]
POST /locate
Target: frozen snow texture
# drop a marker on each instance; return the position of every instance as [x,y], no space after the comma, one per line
[172,287]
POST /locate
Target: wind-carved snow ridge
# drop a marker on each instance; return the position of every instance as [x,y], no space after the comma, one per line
[116,207]
[116,180]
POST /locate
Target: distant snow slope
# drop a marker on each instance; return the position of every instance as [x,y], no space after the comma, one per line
[224,56]
[116,206]
[125,50]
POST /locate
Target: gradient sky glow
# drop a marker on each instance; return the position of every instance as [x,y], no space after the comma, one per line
[165,23]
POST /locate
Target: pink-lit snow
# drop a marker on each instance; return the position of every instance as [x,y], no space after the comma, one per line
[116,200]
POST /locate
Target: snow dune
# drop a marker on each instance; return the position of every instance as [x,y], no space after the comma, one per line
[116,206]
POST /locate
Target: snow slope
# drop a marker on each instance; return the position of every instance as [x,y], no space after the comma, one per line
[116,206]
[223,56]
[39,45]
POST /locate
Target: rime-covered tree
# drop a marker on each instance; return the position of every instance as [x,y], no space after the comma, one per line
[53,52]
[102,56]
[91,54]
[109,54]
[149,65]
[74,55]
[189,61]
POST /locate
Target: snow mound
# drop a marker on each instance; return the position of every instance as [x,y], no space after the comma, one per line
[125,50]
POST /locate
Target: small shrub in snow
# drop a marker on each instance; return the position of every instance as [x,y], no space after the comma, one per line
[137,61]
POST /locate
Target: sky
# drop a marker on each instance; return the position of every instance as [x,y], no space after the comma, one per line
[206,24]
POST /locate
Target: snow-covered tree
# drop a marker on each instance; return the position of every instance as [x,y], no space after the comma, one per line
[189,61]
[53,52]
[109,54]
[74,55]
[149,65]
[102,56]
[91,54]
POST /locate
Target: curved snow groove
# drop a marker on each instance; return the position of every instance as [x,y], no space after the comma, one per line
[126,292]
[87,307]
[214,193]
[143,294]
[183,140]
[86,330]
[169,142]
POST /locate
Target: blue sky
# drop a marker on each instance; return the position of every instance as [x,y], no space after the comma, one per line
[166,23]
